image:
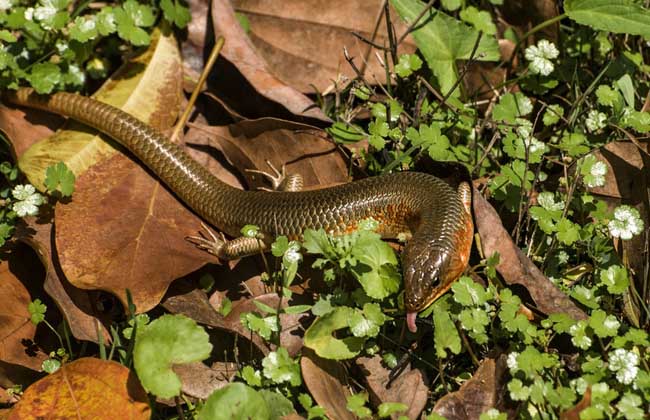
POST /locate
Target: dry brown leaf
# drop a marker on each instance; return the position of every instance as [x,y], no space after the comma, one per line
[23,128]
[239,51]
[483,391]
[249,144]
[525,14]
[286,34]
[75,304]
[410,387]
[16,329]
[515,266]
[326,380]
[199,380]
[85,388]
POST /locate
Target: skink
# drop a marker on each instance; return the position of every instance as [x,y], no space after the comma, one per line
[419,206]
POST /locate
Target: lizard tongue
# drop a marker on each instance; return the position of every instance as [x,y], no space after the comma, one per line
[410,321]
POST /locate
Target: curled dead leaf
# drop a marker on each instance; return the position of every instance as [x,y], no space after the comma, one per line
[239,51]
[484,390]
[326,380]
[410,387]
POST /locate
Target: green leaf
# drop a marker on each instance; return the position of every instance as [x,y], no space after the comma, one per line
[376,268]
[235,401]
[387,409]
[574,144]
[36,310]
[580,337]
[618,16]
[450,5]
[105,21]
[169,340]
[630,406]
[7,36]
[264,326]
[346,133]
[475,320]
[357,405]
[251,376]
[44,77]
[83,29]
[279,405]
[469,293]
[567,231]
[518,392]
[609,97]
[531,361]
[445,334]
[175,12]
[512,106]
[280,367]
[552,114]
[603,325]
[480,19]
[626,87]
[408,63]
[615,279]
[59,178]
[443,40]
[319,338]
[585,296]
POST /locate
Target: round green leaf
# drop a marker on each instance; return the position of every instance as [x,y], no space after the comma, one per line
[169,340]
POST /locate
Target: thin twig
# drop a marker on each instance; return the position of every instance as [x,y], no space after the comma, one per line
[416,21]
[195,94]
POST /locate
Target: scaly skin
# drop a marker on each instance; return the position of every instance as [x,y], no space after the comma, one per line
[436,216]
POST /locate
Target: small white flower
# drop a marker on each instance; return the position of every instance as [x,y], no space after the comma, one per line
[525,105]
[28,200]
[29,13]
[627,223]
[611,323]
[534,145]
[5,4]
[24,54]
[511,361]
[23,192]
[540,56]
[292,254]
[43,13]
[625,364]
[61,46]
[546,199]
[87,25]
[595,121]
[579,385]
[598,171]
[77,74]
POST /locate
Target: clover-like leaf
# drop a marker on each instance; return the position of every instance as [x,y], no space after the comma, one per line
[169,340]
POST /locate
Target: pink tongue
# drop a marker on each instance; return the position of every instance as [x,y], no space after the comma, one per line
[410,321]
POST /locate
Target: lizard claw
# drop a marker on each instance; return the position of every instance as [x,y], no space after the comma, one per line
[209,241]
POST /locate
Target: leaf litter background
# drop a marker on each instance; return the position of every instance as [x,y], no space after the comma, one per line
[124,230]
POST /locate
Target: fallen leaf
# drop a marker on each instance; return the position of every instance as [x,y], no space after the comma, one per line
[16,329]
[326,380]
[199,380]
[239,51]
[85,388]
[134,228]
[75,304]
[151,95]
[525,14]
[287,33]
[514,266]
[484,390]
[24,128]
[304,150]
[410,387]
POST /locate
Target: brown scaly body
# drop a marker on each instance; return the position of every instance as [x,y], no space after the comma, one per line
[436,216]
